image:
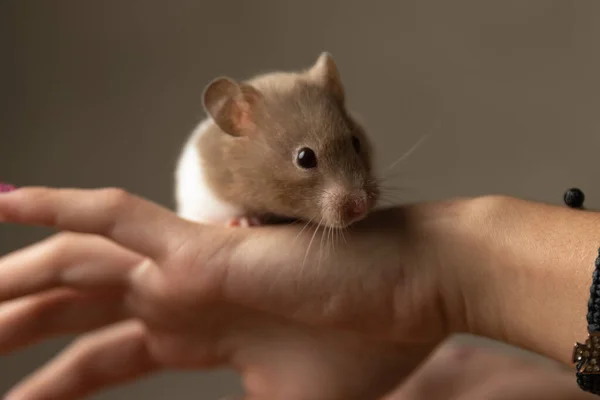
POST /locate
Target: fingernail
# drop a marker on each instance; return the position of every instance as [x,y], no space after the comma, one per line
[5,187]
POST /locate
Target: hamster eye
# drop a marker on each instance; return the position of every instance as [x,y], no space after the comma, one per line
[356,143]
[306,158]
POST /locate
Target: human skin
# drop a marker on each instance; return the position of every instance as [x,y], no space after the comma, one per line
[194,296]
[478,372]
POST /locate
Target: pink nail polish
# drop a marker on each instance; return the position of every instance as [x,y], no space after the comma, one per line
[5,187]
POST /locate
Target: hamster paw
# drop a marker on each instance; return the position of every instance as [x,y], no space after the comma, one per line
[243,222]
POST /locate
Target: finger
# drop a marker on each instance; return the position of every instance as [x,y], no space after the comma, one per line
[108,357]
[76,260]
[31,319]
[138,224]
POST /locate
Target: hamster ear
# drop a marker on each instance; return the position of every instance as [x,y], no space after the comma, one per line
[232,106]
[325,72]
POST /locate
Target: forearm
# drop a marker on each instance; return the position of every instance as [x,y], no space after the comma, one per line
[508,269]
[525,273]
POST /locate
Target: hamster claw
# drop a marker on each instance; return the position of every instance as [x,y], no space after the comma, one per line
[243,222]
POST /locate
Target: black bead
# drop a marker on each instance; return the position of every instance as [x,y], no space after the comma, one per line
[574,198]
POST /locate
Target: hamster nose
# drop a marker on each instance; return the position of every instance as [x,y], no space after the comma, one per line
[355,208]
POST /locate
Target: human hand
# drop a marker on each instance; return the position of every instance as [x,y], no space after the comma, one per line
[155,292]
[132,334]
[407,275]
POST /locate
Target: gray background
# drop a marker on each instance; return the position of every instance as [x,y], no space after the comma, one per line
[103,93]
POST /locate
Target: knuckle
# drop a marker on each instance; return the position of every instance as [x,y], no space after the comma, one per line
[83,345]
[116,198]
[81,348]
[116,195]
[60,242]
[459,353]
[37,314]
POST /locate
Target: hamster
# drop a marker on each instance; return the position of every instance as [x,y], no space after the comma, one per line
[279,146]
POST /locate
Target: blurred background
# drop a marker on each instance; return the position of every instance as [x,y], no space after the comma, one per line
[103,93]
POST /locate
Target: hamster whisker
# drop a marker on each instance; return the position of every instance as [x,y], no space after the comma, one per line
[310,244]
[326,230]
[392,175]
[408,153]
[302,230]
[340,233]
[391,201]
[335,239]
[392,191]
[386,180]
[394,195]
[330,243]
[387,188]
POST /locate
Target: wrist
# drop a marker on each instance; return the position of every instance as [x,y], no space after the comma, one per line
[525,274]
[436,237]
[448,242]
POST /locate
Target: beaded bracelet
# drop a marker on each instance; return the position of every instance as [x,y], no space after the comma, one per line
[586,356]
